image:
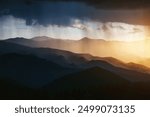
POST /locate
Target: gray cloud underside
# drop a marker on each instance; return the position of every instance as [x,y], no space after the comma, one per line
[47,12]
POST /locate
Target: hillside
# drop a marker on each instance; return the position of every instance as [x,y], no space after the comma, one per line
[96,83]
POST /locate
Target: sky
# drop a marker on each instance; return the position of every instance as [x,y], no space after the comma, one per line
[122,20]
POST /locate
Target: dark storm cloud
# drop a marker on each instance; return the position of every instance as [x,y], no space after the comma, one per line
[54,12]
[45,12]
[106,4]
[115,4]
[123,4]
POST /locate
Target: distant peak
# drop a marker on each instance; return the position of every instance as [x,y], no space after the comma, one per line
[17,38]
[85,38]
[41,38]
[90,39]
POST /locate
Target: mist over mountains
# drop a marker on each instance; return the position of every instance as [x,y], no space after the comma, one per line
[125,51]
[44,68]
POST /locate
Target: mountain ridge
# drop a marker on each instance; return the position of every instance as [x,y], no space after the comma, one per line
[47,73]
[94,47]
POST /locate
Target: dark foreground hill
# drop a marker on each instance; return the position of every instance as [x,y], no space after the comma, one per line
[96,83]
[93,83]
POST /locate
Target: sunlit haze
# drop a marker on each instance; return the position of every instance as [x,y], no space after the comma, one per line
[125,31]
[11,27]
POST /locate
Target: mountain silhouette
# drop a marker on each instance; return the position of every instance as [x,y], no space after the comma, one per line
[131,75]
[62,57]
[49,43]
[94,47]
[145,62]
[91,83]
[30,70]
[80,61]
[48,73]
[96,83]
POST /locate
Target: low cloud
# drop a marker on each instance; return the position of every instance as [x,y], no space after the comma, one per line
[11,27]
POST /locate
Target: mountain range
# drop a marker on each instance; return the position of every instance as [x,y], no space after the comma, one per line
[43,70]
[125,51]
